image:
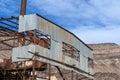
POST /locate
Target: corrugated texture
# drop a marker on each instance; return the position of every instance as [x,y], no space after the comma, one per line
[57,35]
[27,22]
[30,22]
[23,53]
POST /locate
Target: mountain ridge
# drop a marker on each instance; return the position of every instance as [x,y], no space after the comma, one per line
[106,61]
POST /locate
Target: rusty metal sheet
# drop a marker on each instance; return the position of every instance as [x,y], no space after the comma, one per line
[31,22]
[57,35]
[23,53]
[83,63]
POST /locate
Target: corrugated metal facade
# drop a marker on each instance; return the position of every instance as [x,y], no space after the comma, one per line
[58,35]
[31,22]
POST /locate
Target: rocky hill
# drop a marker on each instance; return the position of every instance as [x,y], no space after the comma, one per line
[106,61]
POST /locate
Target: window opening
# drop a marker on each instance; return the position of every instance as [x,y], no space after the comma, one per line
[34,37]
[69,50]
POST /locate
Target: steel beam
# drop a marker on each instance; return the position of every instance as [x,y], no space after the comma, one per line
[9,20]
[8,25]
[8,39]
[60,72]
[7,44]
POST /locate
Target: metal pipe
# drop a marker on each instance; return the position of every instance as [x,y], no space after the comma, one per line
[23,7]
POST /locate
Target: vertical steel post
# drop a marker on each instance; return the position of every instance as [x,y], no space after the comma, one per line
[60,72]
[34,60]
[49,72]
[35,35]
[33,72]
[72,75]
[23,7]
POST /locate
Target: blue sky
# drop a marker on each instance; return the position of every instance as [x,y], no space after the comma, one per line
[93,21]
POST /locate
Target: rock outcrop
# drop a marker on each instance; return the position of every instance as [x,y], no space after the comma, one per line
[106,61]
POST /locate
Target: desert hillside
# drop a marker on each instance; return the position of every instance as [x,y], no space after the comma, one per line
[106,61]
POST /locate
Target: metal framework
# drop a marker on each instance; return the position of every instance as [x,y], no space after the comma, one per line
[30,68]
[10,38]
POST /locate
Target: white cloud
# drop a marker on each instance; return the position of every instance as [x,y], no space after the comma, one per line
[65,8]
[105,11]
[92,20]
[108,10]
[98,35]
[88,16]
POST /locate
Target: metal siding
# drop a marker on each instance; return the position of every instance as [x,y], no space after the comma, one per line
[83,63]
[56,50]
[58,35]
[27,22]
[82,48]
[30,22]
[23,53]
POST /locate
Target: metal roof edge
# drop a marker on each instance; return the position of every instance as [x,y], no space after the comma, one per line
[64,29]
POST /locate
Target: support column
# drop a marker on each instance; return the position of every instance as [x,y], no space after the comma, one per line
[49,72]
[71,75]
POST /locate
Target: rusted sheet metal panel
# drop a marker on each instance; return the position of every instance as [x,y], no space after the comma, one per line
[62,35]
[22,52]
[84,63]
[30,22]
[18,52]
[82,48]
[56,50]
[57,55]
[57,35]
[27,22]
[76,63]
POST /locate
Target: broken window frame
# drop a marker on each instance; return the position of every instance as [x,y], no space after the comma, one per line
[70,51]
[90,63]
[33,37]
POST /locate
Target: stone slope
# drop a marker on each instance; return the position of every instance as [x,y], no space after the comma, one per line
[106,61]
